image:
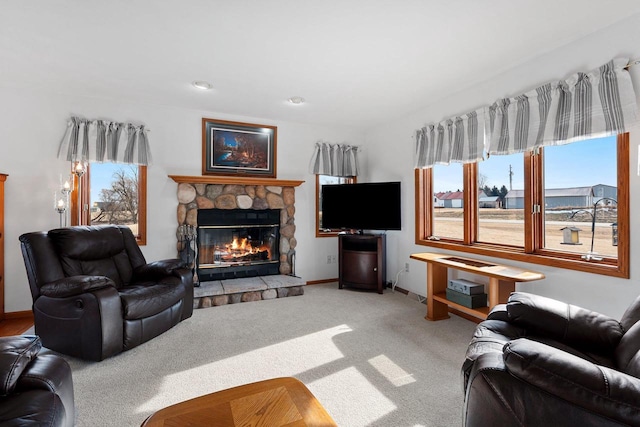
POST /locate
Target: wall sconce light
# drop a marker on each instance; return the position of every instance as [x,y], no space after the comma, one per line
[60,206]
[61,203]
[66,188]
[79,168]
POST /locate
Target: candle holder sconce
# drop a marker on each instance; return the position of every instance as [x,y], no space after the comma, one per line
[60,206]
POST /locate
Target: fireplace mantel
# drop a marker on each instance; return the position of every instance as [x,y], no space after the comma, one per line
[235,180]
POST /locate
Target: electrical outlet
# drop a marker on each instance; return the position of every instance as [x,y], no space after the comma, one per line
[406,267]
[333,259]
[328,259]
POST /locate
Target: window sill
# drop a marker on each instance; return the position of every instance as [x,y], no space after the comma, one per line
[607,266]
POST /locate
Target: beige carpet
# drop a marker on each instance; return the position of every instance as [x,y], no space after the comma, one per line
[371,360]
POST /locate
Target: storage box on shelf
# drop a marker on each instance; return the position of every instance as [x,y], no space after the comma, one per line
[469,301]
[465,286]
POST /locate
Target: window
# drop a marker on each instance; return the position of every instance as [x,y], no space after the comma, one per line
[448,212]
[500,200]
[577,176]
[326,180]
[541,209]
[112,193]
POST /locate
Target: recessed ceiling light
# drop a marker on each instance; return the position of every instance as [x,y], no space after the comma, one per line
[296,100]
[202,85]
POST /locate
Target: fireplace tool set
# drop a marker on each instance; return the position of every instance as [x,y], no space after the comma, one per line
[188,248]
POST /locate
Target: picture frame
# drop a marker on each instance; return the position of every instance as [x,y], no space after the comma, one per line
[237,148]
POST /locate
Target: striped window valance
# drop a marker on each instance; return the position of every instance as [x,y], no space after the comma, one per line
[104,141]
[459,139]
[586,105]
[334,160]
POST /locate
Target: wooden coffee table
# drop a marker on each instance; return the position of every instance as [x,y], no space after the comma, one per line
[271,403]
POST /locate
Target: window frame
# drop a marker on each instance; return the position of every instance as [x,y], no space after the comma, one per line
[83,197]
[319,232]
[533,250]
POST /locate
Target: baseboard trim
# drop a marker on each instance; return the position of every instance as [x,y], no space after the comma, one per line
[397,288]
[319,282]
[27,314]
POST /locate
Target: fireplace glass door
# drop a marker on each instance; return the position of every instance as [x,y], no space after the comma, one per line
[250,247]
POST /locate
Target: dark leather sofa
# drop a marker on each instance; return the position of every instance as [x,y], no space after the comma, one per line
[94,295]
[36,388]
[539,362]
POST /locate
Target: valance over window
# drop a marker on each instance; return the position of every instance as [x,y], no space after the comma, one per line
[334,160]
[104,141]
[454,140]
[586,105]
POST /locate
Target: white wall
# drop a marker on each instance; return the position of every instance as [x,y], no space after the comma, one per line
[32,124]
[605,294]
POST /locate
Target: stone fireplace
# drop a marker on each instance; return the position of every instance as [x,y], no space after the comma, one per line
[203,197]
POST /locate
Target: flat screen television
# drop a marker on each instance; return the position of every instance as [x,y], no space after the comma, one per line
[364,206]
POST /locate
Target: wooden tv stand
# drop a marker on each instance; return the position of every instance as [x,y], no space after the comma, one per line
[362,261]
[502,281]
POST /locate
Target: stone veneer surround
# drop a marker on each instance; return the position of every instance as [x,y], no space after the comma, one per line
[212,192]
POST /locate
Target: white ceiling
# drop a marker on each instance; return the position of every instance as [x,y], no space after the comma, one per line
[356,62]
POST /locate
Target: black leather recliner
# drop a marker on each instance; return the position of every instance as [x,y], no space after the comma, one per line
[36,388]
[536,361]
[94,295]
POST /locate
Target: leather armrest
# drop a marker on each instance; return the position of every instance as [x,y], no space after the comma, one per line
[15,355]
[48,371]
[499,312]
[596,388]
[52,373]
[158,269]
[75,285]
[566,323]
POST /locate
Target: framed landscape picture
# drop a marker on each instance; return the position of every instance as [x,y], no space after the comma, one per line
[235,148]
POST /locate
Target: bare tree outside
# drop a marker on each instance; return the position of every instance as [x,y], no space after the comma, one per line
[482,181]
[118,204]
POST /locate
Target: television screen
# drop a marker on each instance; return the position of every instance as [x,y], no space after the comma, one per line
[366,206]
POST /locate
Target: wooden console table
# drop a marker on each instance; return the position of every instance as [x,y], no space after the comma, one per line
[502,281]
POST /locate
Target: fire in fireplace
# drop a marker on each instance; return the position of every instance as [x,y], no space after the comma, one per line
[237,243]
[240,250]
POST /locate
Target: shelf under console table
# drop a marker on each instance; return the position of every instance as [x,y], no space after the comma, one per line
[502,281]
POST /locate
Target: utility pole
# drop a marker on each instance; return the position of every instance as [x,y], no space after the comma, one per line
[510,178]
